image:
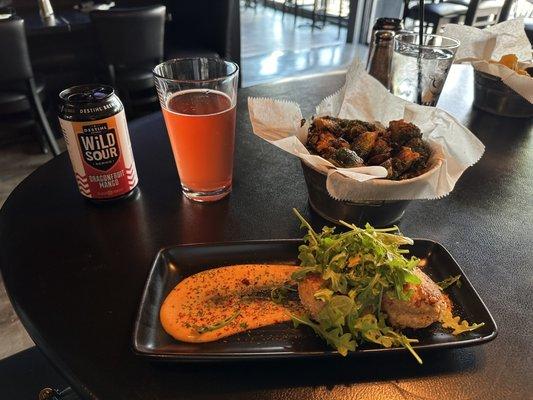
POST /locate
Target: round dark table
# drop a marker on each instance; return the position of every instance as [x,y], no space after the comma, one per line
[75,271]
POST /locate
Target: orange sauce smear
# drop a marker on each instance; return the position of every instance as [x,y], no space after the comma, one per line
[237,296]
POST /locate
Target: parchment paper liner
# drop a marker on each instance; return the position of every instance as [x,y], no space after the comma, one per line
[479,46]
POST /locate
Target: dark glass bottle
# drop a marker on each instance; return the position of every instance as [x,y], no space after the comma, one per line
[380,56]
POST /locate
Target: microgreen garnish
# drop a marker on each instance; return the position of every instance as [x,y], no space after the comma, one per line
[217,325]
[359,267]
[279,294]
[446,283]
[449,321]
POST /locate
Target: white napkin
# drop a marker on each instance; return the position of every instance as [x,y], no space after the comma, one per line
[479,46]
[454,147]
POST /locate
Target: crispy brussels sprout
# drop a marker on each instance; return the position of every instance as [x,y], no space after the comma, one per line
[351,143]
[378,159]
[407,156]
[401,132]
[327,124]
[357,128]
[346,158]
[319,142]
[418,145]
[364,143]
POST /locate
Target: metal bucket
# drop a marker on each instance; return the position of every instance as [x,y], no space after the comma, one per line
[377,214]
[494,96]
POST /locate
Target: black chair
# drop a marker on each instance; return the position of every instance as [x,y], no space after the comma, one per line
[478,13]
[131,42]
[20,95]
[437,14]
[203,28]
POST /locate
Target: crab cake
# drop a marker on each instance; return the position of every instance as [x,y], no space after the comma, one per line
[425,306]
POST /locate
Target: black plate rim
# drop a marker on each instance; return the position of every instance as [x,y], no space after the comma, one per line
[218,357]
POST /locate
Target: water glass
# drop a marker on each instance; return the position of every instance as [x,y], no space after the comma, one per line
[198,98]
[420,70]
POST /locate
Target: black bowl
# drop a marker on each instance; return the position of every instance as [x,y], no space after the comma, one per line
[376,213]
[494,96]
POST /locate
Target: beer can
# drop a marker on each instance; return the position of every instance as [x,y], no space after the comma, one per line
[94,126]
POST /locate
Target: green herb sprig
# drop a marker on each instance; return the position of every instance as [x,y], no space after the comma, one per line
[279,294]
[446,283]
[217,325]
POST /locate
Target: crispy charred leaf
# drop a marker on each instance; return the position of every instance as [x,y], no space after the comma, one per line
[418,145]
[378,159]
[398,165]
[407,157]
[380,152]
[381,146]
[350,129]
[323,141]
[345,158]
[364,143]
[357,127]
[340,143]
[401,131]
[329,124]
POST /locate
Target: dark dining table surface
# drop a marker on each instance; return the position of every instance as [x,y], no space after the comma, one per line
[75,271]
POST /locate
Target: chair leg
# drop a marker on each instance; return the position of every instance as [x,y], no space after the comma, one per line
[41,116]
[440,25]
[38,132]
[313,15]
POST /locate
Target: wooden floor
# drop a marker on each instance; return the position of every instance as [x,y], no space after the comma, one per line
[273,47]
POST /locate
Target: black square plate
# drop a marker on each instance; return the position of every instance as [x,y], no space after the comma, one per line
[173,264]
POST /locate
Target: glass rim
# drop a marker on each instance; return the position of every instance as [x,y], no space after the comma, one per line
[230,75]
[455,43]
